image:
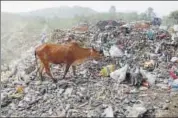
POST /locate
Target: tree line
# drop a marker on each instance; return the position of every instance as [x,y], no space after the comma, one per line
[147,15]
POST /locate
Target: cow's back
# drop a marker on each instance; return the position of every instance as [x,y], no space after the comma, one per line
[53,53]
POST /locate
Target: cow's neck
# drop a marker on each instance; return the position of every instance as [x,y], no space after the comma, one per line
[84,53]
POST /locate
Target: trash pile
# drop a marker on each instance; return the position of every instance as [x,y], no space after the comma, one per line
[137,77]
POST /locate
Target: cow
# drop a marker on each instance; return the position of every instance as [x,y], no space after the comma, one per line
[70,54]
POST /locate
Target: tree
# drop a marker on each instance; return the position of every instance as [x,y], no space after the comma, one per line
[150,13]
[112,11]
[143,16]
[174,15]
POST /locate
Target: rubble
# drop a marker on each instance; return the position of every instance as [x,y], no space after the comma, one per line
[140,78]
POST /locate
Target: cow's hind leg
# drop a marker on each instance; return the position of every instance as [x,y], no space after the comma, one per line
[74,69]
[47,69]
[66,70]
[41,71]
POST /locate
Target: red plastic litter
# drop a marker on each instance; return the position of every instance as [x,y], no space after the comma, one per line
[173,75]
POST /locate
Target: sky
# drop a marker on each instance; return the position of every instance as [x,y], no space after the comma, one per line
[161,8]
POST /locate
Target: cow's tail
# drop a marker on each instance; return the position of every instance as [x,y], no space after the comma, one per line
[36,63]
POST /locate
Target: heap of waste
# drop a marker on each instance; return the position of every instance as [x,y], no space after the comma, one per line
[137,76]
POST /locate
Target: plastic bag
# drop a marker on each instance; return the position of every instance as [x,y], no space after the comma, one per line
[150,77]
[175,27]
[115,51]
[19,89]
[119,74]
[149,64]
[174,59]
[106,53]
[173,84]
[173,72]
[105,71]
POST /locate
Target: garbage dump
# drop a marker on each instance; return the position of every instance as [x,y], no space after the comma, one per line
[136,76]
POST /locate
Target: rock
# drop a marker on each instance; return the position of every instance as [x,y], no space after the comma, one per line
[136,111]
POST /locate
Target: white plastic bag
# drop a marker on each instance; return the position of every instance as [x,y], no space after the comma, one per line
[108,112]
[175,28]
[106,53]
[119,74]
[174,59]
[150,77]
[115,51]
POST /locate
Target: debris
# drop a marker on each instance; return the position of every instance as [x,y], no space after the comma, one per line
[136,111]
[173,72]
[150,77]
[5,100]
[120,74]
[142,88]
[134,91]
[174,59]
[173,84]
[108,112]
[145,83]
[105,71]
[16,96]
[149,65]
[19,89]
[115,51]
[125,50]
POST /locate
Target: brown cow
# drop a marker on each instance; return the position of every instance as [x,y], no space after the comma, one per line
[70,54]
